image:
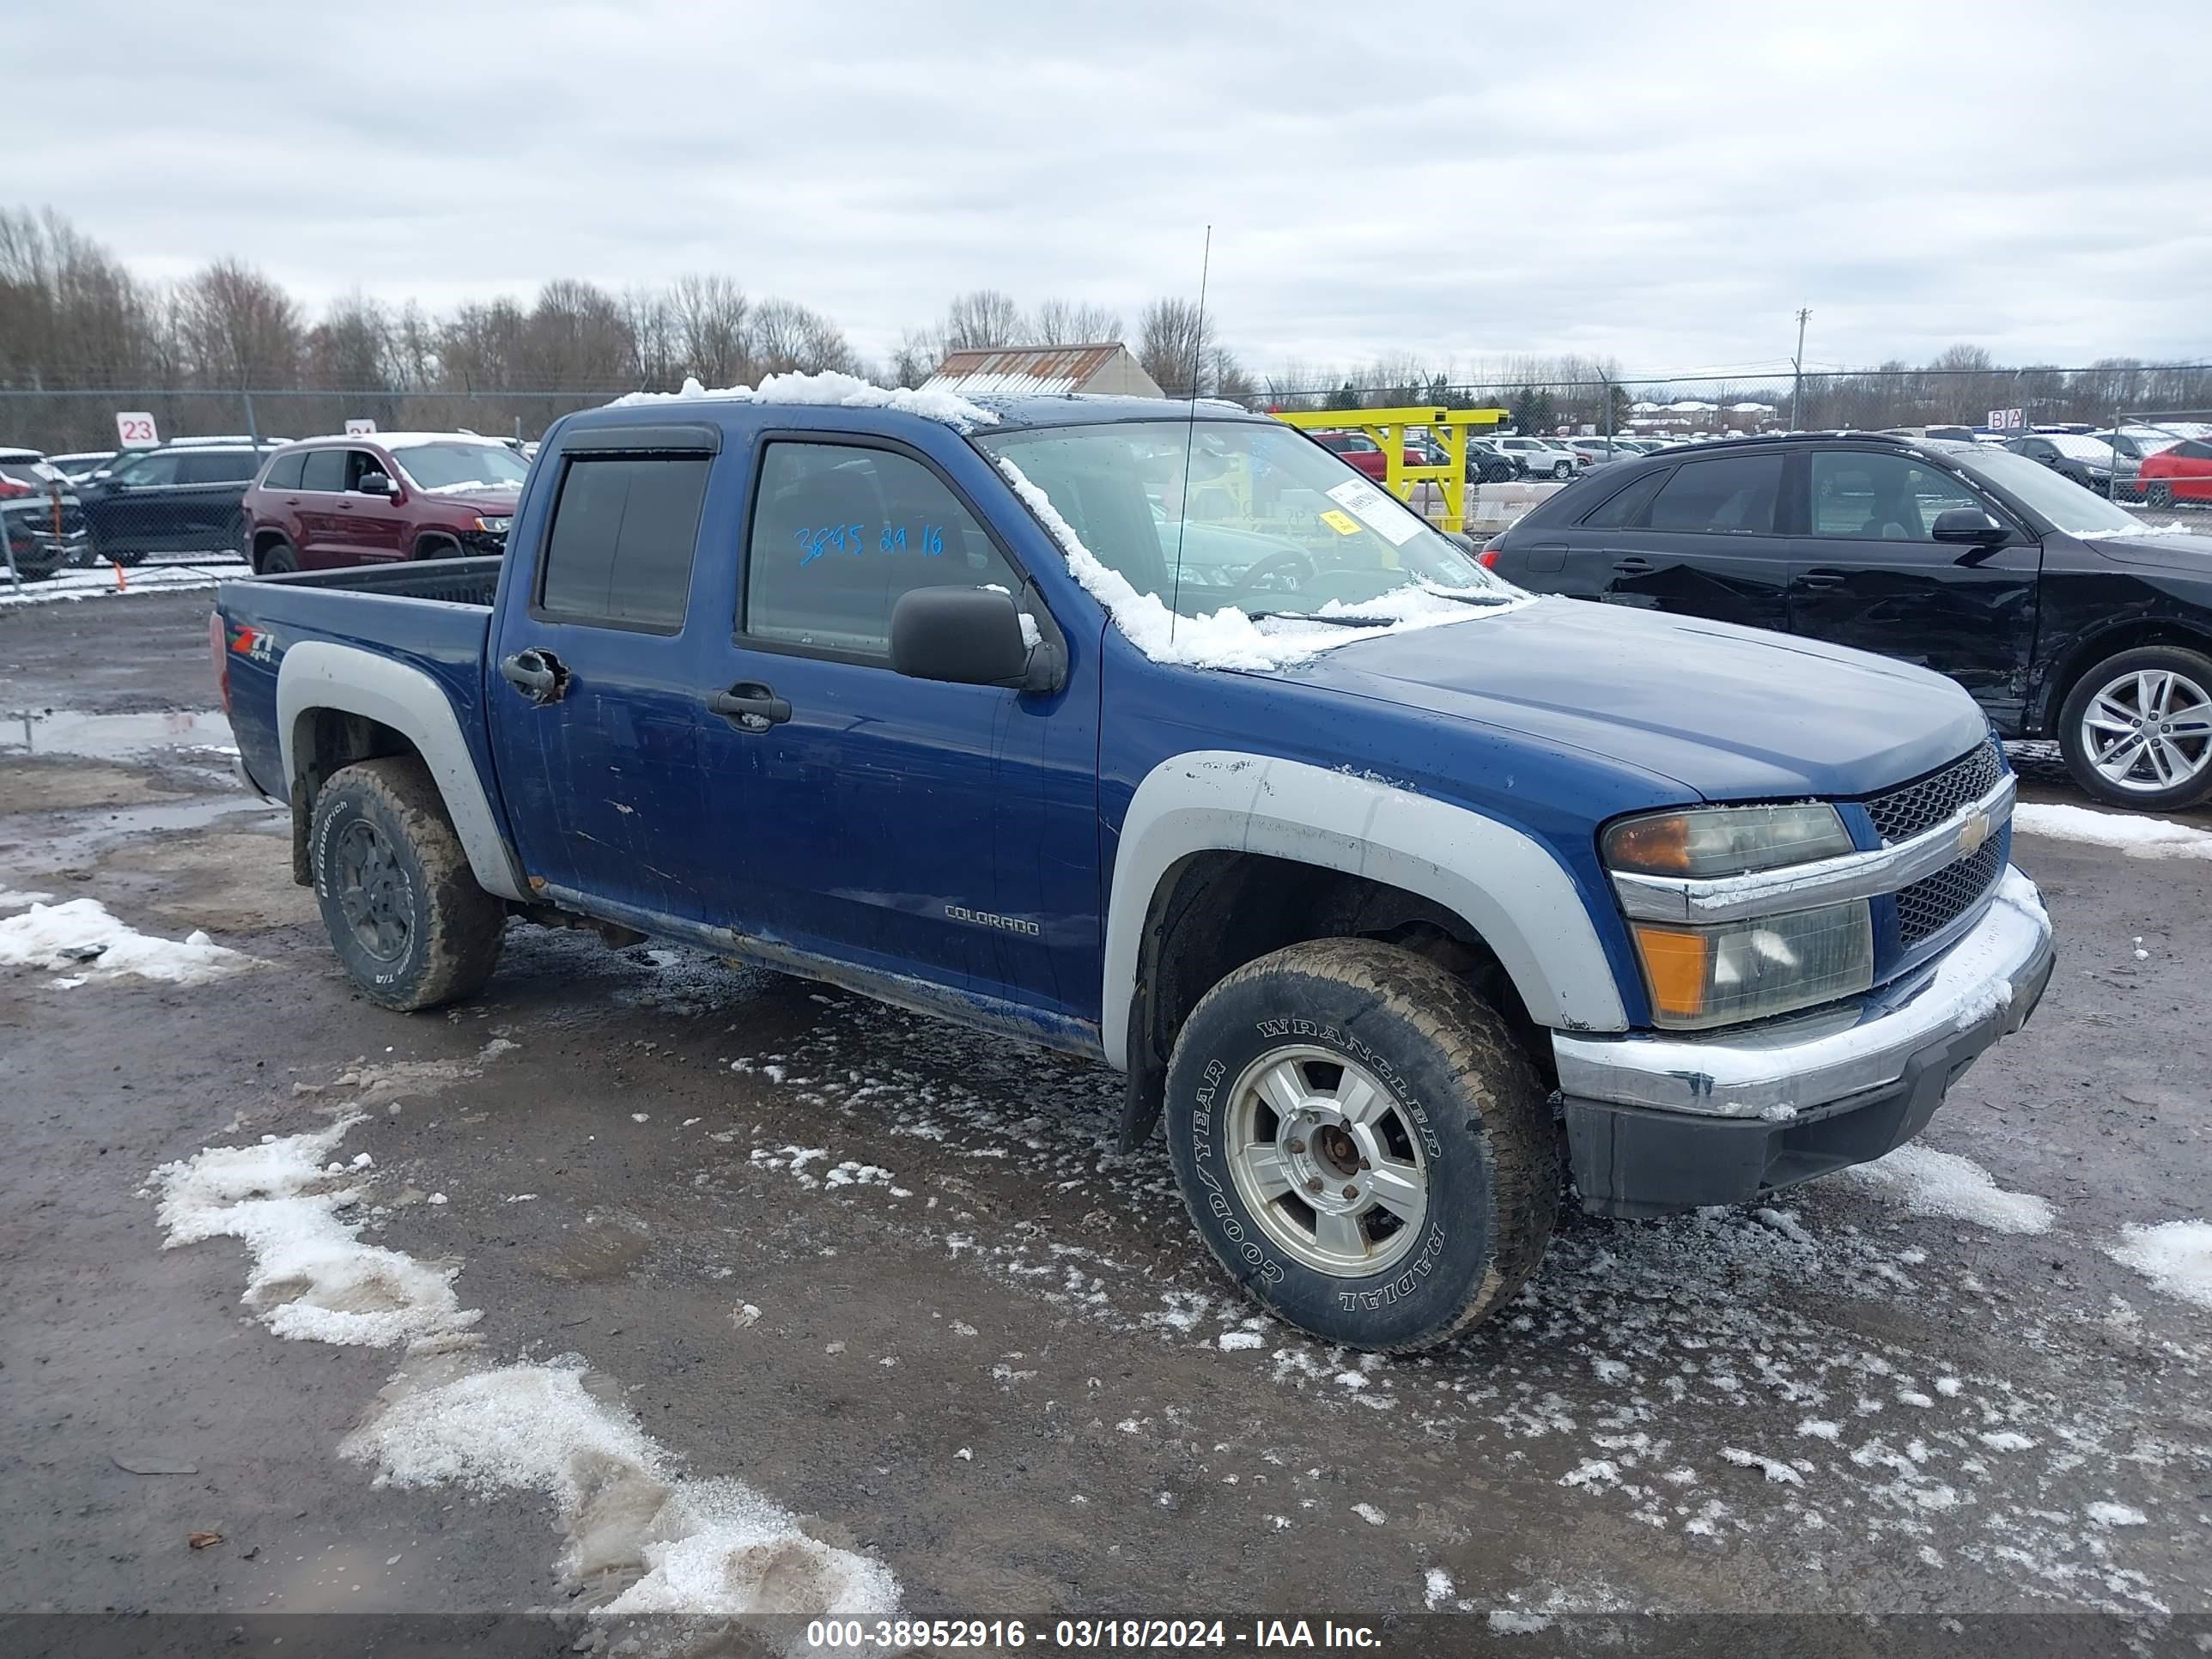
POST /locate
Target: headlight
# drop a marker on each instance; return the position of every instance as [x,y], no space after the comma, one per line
[1726,841]
[494,526]
[1701,977]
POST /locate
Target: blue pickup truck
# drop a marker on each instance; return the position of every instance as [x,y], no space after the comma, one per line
[1154,732]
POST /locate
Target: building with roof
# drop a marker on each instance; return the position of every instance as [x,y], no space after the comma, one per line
[1047,371]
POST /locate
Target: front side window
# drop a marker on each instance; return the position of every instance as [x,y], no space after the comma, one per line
[624,529]
[1728,496]
[1881,498]
[360,462]
[841,532]
[1260,520]
[213,466]
[160,469]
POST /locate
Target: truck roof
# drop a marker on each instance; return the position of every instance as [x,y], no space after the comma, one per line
[1014,413]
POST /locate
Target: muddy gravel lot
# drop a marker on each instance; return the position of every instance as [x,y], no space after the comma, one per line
[883,1293]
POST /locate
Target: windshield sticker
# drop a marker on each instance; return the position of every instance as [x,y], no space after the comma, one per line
[1385,517]
[1343,523]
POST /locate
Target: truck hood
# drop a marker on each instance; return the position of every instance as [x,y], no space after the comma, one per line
[1729,713]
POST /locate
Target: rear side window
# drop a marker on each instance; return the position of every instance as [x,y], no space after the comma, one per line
[1730,495]
[1625,507]
[839,533]
[624,528]
[209,466]
[284,471]
[325,470]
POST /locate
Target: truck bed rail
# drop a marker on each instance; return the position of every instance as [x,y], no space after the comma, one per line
[457,582]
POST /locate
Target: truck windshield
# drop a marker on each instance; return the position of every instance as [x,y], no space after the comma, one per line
[461,466]
[1271,523]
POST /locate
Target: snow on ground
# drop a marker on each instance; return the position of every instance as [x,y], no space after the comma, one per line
[1929,1183]
[13,901]
[1229,638]
[312,1278]
[2133,834]
[99,583]
[83,943]
[681,1546]
[835,391]
[2174,1255]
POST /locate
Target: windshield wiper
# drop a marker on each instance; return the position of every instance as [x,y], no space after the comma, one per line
[1467,597]
[1309,616]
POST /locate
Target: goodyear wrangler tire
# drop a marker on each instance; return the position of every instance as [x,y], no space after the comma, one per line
[405,916]
[1363,1144]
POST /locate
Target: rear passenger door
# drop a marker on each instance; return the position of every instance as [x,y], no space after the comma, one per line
[595,710]
[1703,540]
[1869,575]
[322,491]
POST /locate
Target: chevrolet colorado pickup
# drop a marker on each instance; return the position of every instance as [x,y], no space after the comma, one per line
[1158,734]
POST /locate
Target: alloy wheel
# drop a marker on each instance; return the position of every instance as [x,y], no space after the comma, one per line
[2148,730]
[1326,1161]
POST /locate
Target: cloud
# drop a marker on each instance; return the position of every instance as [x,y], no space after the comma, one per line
[1665,185]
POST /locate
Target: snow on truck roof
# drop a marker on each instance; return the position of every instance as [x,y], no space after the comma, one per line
[963,414]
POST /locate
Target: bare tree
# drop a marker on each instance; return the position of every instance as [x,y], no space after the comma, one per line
[917,356]
[713,327]
[240,328]
[788,337]
[983,318]
[578,336]
[1067,322]
[656,354]
[1170,344]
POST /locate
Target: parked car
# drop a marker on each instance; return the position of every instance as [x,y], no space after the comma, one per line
[2089,462]
[1487,464]
[1599,451]
[325,502]
[2065,614]
[1357,450]
[39,516]
[2137,443]
[1542,458]
[184,497]
[81,464]
[897,703]
[2182,472]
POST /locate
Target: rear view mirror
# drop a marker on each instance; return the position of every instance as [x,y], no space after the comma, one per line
[971,636]
[1969,525]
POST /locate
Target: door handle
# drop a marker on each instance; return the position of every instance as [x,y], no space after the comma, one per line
[1820,578]
[750,705]
[1633,565]
[538,674]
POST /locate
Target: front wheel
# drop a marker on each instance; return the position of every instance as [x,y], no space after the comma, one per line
[404,913]
[1563,468]
[1362,1143]
[279,558]
[2137,729]
[2158,495]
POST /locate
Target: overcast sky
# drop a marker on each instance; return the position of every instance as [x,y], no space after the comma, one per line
[1663,184]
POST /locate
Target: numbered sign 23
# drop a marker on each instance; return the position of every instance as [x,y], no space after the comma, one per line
[135,427]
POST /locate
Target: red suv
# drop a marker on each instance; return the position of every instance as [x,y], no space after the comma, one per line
[385,497]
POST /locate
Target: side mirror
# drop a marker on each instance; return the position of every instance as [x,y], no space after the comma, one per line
[376,484]
[1969,525]
[971,636]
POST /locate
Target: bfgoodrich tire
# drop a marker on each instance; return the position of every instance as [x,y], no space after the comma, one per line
[1362,1143]
[404,913]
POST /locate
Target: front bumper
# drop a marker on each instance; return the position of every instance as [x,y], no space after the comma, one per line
[1658,1123]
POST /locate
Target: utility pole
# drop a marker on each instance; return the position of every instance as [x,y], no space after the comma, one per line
[1798,368]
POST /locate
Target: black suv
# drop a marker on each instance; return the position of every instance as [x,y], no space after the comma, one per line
[2065,614]
[182,498]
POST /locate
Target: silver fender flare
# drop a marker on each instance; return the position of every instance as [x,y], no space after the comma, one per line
[1504,885]
[319,674]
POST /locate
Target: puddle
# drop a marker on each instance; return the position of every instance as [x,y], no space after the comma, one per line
[65,850]
[114,736]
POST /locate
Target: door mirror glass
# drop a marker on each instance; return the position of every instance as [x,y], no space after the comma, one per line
[1969,525]
[967,637]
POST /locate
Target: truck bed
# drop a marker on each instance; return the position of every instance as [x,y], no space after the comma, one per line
[434,615]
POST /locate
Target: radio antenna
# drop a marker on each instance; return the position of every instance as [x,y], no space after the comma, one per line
[1190,429]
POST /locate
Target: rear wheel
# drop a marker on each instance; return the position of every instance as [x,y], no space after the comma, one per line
[2137,729]
[1362,1143]
[2159,495]
[1563,468]
[279,558]
[404,913]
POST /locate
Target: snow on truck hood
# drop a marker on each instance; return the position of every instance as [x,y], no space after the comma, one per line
[1731,714]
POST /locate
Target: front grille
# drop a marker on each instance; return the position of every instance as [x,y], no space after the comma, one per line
[1904,812]
[1934,902]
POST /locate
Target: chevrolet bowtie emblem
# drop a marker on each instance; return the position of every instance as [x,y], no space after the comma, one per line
[1972,833]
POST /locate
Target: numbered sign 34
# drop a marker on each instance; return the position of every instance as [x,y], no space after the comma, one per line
[135,428]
